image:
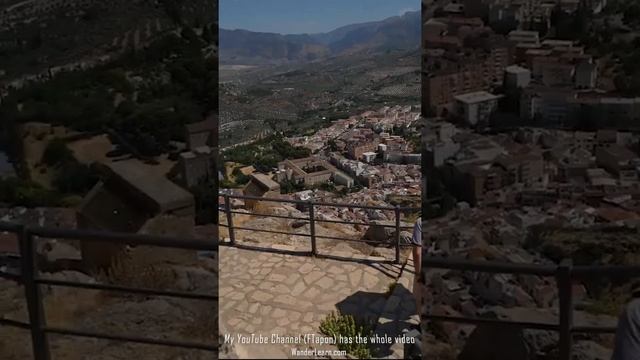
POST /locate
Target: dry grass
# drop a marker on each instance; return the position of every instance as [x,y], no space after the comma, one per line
[126,271]
[92,149]
[15,344]
[205,325]
[65,306]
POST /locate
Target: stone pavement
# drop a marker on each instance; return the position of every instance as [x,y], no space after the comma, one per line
[399,314]
[274,293]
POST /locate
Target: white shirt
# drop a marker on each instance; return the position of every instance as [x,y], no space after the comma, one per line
[416,239]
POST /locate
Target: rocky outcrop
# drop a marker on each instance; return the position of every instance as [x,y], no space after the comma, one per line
[590,350]
[384,231]
[117,313]
[527,344]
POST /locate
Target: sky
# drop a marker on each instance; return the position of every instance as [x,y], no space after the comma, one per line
[306,16]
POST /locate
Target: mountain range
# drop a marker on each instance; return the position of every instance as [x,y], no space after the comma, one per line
[248,47]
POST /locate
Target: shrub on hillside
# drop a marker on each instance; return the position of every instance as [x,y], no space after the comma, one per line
[340,326]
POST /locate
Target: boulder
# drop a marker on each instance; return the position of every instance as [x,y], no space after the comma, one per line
[298,223]
[382,231]
[195,279]
[74,276]
[55,250]
[590,350]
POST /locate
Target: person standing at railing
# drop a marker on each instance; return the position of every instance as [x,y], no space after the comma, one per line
[415,239]
[627,345]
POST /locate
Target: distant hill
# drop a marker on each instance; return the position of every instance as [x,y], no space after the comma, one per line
[254,47]
[37,35]
[248,47]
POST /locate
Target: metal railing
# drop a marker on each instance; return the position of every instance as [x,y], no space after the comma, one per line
[311,207]
[31,281]
[565,273]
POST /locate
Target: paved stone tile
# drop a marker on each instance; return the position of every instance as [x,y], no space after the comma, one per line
[261,296]
[297,289]
[312,277]
[311,293]
[276,278]
[370,281]
[325,283]
[265,310]
[306,268]
[236,295]
[354,278]
[278,313]
[281,289]
[293,279]
[266,285]
[267,293]
[253,308]
[308,317]
[242,306]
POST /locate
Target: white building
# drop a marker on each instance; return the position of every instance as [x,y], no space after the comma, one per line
[516,77]
[369,156]
[476,107]
[552,105]
[341,178]
[524,37]
[440,151]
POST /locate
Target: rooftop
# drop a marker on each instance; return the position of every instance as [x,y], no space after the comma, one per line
[515,69]
[621,153]
[265,181]
[523,33]
[476,97]
[109,209]
[159,189]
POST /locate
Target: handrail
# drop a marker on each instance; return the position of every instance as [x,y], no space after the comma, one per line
[312,220]
[126,238]
[564,273]
[29,278]
[489,266]
[304,202]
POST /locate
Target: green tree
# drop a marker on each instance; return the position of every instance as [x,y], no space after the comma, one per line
[75,178]
[36,41]
[14,191]
[631,13]
[207,36]
[173,9]
[188,34]
[57,153]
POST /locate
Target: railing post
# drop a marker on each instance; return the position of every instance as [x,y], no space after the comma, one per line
[312,228]
[227,208]
[39,339]
[397,212]
[563,278]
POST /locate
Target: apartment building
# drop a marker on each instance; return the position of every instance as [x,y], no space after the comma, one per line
[439,88]
[551,105]
[476,107]
[619,161]
[516,77]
